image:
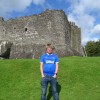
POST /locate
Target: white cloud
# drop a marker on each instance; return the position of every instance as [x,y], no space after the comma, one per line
[95,39]
[81,12]
[96,29]
[7,6]
[37,2]
[91,4]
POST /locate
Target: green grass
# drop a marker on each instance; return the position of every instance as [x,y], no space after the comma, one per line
[78,79]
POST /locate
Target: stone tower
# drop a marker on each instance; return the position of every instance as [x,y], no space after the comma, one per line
[29,35]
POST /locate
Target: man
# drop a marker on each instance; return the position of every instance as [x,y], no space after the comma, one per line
[49,70]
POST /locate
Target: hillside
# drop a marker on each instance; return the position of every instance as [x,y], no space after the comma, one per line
[78,79]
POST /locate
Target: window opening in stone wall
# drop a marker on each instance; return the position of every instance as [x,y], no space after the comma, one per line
[25,29]
[14,27]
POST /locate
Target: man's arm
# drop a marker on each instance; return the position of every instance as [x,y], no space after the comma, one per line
[56,71]
[41,69]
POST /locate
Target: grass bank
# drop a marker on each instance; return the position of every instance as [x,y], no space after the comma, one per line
[78,79]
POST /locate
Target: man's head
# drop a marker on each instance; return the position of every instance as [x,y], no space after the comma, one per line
[49,48]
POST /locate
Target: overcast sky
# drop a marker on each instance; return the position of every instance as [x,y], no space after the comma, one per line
[85,13]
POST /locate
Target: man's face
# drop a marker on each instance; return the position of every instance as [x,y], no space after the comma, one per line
[49,50]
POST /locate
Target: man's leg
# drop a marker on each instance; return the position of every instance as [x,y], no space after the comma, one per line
[44,84]
[54,89]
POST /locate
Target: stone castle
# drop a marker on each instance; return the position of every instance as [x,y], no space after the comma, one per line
[26,37]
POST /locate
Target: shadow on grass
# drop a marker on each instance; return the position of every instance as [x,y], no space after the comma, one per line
[50,92]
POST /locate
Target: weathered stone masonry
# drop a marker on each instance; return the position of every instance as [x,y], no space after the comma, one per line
[29,35]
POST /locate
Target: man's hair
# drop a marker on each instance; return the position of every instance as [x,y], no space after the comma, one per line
[50,46]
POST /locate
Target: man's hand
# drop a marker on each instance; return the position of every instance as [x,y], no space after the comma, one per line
[55,76]
[43,75]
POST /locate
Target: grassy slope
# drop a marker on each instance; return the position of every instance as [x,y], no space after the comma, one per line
[78,79]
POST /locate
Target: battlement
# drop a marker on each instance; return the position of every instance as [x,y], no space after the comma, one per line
[73,24]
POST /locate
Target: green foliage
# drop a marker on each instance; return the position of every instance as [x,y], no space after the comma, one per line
[78,79]
[93,48]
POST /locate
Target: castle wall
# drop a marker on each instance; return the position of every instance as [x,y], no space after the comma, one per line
[29,34]
[2,29]
[76,37]
[45,28]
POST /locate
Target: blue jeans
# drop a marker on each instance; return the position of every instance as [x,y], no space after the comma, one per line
[44,83]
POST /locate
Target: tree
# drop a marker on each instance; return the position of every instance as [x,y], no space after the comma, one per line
[93,48]
[97,48]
